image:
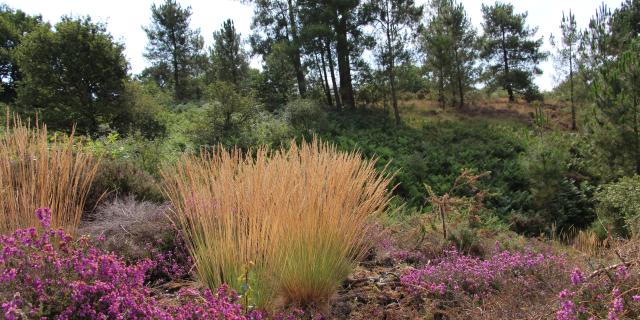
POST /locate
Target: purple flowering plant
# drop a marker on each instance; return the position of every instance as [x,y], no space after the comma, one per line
[45,273]
[608,293]
[457,277]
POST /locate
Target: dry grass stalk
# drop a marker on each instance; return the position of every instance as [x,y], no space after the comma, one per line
[35,172]
[588,242]
[447,203]
[295,218]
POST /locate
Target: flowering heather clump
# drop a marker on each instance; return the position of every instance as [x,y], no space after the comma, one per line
[609,293]
[457,275]
[48,274]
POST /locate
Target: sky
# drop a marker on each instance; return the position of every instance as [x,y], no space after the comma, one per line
[125,18]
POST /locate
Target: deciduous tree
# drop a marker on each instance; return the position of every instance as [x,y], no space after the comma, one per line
[75,73]
[14,25]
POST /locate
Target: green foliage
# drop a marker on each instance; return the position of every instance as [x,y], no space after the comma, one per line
[228,59]
[277,79]
[225,113]
[411,78]
[509,49]
[174,49]
[73,74]
[305,114]
[560,194]
[450,42]
[141,113]
[617,98]
[436,152]
[619,206]
[14,26]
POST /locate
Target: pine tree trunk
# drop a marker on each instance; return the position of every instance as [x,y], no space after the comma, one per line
[392,77]
[505,58]
[297,60]
[333,77]
[325,79]
[460,82]
[573,106]
[344,67]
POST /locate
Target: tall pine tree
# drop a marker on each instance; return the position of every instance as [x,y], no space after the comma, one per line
[450,44]
[173,46]
[566,55]
[511,52]
[228,58]
[395,21]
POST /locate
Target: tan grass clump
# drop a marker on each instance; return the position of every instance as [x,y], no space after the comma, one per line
[288,224]
[41,171]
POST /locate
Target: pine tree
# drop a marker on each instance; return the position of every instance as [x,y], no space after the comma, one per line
[228,59]
[173,46]
[566,55]
[436,44]
[278,21]
[613,71]
[509,49]
[450,45]
[394,20]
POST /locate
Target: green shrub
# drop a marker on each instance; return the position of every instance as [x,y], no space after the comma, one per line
[122,177]
[141,113]
[619,206]
[305,114]
[561,195]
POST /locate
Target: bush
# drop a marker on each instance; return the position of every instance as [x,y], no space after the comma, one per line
[305,114]
[140,113]
[122,177]
[50,275]
[561,195]
[435,152]
[36,173]
[619,205]
[294,219]
[225,116]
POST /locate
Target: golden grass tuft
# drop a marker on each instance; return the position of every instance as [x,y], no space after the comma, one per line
[40,171]
[289,223]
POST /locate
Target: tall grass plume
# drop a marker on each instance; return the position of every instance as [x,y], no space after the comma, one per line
[294,219]
[37,170]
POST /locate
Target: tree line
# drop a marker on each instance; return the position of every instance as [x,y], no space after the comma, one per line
[75,72]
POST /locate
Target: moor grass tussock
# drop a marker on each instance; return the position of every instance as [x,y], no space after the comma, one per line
[36,172]
[289,224]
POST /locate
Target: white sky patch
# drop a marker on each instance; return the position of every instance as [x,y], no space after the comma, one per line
[125,19]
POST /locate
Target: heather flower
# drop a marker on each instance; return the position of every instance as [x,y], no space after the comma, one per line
[460,274]
[44,216]
[577,277]
[49,275]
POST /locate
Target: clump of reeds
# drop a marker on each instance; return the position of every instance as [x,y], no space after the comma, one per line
[38,170]
[283,226]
